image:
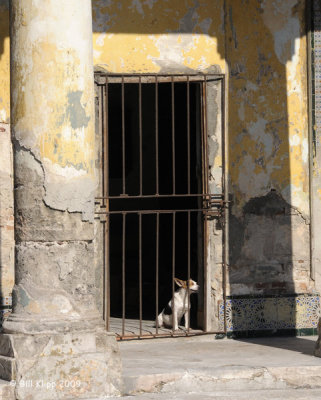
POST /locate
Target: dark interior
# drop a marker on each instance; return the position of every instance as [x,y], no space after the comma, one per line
[132,181]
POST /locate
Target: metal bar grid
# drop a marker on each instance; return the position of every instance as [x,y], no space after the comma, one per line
[212,205]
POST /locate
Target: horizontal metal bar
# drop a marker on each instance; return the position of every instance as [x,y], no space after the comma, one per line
[157,211]
[149,78]
[150,196]
[164,335]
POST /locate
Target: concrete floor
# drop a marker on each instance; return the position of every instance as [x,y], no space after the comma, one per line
[203,368]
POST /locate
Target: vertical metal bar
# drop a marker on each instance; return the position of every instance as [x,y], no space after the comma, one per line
[140,139]
[106,144]
[124,274]
[225,197]
[173,268]
[173,132]
[156,134]
[205,190]
[188,266]
[309,28]
[140,276]
[157,268]
[123,133]
[188,138]
[105,184]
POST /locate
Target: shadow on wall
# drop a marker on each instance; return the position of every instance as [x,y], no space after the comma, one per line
[268,150]
[4,23]
[6,195]
[268,160]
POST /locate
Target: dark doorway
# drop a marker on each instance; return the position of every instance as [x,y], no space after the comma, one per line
[155,189]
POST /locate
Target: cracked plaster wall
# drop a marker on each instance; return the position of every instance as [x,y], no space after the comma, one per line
[261,46]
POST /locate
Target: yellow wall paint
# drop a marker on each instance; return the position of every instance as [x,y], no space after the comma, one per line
[268,118]
[4,62]
[146,36]
[267,105]
[264,50]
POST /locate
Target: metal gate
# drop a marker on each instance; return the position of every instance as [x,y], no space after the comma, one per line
[154,198]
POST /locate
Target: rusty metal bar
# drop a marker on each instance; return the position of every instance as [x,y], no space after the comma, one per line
[150,78]
[124,274]
[140,276]
[156,135]
[213,205]
[169,334]
[157,269]
[140,139]
[188,137]
[173,268]
[205,189]
[225,199]
[123,134]
[147,196]
[206,210]
[173,134]
[105,185]
[188,267]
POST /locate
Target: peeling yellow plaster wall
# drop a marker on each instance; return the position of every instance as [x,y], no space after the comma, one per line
[268,117]
[153,35]
[4,62]
[265,50]
[266,54]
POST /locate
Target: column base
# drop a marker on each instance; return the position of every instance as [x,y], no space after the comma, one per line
[78,365]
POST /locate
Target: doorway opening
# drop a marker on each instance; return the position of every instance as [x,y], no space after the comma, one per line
[154,187]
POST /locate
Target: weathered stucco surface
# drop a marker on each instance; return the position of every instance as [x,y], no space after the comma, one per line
[54,315]
[260,45]
[6,216]
[157,36]
[4,62]
[55,125]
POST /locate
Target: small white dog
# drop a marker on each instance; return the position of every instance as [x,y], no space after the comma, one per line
[181,305]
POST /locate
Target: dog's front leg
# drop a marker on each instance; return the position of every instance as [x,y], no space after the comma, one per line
[186,317]
[175,320]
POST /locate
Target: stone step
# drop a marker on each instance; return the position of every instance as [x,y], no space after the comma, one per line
[6,391]
[268,394]
[227,378]
[7,368]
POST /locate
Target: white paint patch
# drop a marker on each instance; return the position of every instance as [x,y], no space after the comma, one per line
[173,48]
[202,64]
[55,170]
[305,150]
[3,115]
[97,55]
[294,86]
[295,140]
[100,41]
[66,132]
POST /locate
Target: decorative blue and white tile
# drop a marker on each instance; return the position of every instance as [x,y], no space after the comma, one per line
[270,313]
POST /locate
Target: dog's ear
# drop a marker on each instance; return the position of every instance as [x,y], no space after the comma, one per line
[179,282]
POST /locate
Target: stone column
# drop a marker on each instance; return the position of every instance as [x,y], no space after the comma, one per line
[55,334]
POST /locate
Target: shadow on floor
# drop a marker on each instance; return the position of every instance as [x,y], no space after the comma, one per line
[298,344]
